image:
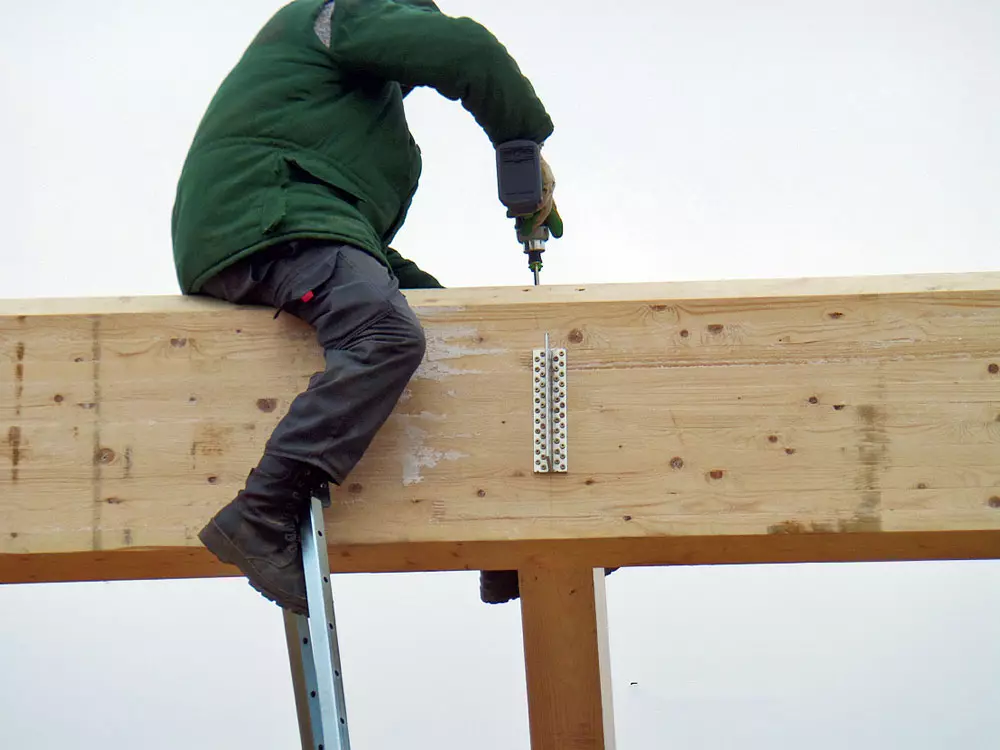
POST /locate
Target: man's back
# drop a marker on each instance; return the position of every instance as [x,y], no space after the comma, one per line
[292,145]
[307,135]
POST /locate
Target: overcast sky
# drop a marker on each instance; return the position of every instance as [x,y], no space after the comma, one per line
[694,140]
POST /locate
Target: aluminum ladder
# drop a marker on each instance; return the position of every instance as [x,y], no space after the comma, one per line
[313,650]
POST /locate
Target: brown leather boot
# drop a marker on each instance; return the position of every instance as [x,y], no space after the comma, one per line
[258,531]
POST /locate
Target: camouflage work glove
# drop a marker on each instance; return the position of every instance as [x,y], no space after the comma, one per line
[547,213]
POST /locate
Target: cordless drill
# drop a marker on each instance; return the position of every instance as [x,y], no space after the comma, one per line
[519,182]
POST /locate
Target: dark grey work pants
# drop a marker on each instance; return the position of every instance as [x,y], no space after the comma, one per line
[372,340]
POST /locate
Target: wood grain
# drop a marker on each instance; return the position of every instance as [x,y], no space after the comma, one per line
[862,414]
[567,663]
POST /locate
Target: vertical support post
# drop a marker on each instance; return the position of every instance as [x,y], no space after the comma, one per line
[567,658]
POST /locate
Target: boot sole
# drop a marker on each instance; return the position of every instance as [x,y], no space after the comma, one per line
[222,547]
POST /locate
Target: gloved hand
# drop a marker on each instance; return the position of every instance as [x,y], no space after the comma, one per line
[547,213]
[409,274]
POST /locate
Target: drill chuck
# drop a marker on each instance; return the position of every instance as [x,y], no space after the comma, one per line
[534,246]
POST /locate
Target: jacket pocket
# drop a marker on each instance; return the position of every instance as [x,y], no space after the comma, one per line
[273,208]
[304,168]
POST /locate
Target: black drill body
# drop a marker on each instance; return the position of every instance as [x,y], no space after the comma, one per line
[519,185]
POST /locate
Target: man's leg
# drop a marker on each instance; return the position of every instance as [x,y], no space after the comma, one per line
[373,344]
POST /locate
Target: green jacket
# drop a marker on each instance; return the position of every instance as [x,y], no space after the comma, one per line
[307,136]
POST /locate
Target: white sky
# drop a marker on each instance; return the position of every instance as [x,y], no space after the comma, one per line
[694,140]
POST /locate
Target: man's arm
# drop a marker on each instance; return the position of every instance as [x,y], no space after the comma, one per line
[409,274]
[415,44]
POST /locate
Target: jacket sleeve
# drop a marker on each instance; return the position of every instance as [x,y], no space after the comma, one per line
[415,44]
[409,274]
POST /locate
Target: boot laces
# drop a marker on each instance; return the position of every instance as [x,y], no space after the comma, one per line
[290,517]
[307,484]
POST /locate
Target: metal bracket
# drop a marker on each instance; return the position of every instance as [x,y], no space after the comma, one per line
[549,433]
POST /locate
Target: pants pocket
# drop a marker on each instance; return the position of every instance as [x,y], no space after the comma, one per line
[299,279]
[355,297]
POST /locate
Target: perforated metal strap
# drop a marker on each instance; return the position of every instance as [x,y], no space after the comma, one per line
[549,392]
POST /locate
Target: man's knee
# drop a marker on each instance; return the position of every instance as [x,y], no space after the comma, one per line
[412,339]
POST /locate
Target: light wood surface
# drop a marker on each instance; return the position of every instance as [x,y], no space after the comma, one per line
[744,421]
[567,662]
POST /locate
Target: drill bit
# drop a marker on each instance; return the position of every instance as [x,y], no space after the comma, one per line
[535,265]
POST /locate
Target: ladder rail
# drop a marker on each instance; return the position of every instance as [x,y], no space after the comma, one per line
[318,675]
[303,675]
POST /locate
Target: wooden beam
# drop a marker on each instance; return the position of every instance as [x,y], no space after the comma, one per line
[567,662]
[794,547]
[771,421]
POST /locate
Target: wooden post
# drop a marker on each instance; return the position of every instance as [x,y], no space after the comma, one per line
[567,661]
